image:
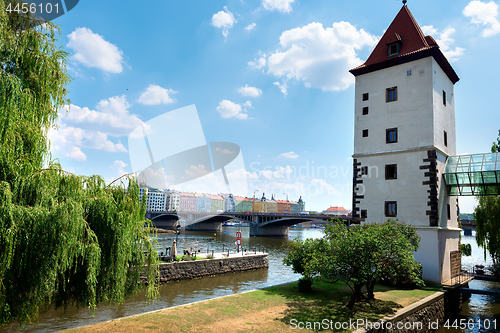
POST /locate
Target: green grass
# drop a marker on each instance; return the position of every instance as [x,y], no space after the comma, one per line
[182,257]
[270,310]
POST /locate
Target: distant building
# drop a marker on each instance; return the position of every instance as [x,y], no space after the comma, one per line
[284,207]
[202,202]
[187,202]
[243,204]
[156,199]
[229,203]
[174,201]
[272,205]
[297,206]
[264,205]
[302,204]
[336,211]
[216,203]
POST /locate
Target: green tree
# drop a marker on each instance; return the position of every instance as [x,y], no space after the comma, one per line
[304,256]
[63,238]
[487,220]
[360,256]
[495,148]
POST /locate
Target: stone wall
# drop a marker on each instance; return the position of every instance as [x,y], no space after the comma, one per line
[456,262]
[424,316]
[184,270]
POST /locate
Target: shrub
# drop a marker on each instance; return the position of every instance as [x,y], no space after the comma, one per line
[305,285]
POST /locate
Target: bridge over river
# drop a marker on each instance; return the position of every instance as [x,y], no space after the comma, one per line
[261,224]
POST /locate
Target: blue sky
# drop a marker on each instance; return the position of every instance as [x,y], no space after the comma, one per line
[268,75]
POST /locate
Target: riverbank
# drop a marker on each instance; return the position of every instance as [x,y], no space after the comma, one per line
[217,264]
[272,309]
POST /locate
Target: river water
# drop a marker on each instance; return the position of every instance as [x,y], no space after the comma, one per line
[480,313]
[478,308]
[182,292]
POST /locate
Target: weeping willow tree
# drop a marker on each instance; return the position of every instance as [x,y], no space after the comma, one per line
[64,239]
[487,219]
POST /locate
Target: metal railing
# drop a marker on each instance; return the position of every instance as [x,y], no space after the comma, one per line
[461,278]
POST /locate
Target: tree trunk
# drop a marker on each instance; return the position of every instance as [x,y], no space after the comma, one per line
[370,285]
[356,296]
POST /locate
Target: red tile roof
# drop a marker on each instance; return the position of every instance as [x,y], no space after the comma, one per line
[414,45]
[406,28]
[336,208]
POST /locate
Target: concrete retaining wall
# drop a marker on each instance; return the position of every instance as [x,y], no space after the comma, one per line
[425,315]
[183,270]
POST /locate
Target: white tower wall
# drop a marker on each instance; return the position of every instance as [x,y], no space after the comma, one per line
[420,153]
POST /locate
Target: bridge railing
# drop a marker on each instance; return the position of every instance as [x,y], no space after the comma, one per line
[461,278]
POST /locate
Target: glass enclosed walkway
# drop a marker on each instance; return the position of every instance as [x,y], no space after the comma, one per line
[477,174]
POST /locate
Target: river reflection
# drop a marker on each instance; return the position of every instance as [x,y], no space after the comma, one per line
[482,312]
[182,292]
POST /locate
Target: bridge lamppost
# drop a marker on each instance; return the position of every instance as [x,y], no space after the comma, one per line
[286,200]
[253,201]
[177,231]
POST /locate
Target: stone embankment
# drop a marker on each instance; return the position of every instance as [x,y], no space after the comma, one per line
[183,270]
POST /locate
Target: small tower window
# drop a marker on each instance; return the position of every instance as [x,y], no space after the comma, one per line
[444,98]
[365,133]
[365,111]
[393,49]
[448,211]
[445,139]
[364,170]
[365,96]
[364,214]
[391,94]
[391,171]
[391,135]
[391,208]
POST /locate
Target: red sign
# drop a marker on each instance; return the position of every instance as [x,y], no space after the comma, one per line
[238,242]
[238,234]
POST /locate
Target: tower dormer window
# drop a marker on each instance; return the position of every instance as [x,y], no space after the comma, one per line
[393,49]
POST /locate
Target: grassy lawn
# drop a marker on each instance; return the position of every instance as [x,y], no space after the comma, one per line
[267,310]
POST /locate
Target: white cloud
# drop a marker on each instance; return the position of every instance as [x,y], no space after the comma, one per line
[119,166]
[68,141]
[225,20]
[320,57]
[290,155]
[224,151]
[444,41]
[91,129]
[259,63]
[250,91]
[111,117]
[250,26]
[283,6]
[155,95]
[228,109]
[66,138]
[76,153]
[288,180]
[322,187]
[92,50]
[283,87]
[196,171]
[484,14]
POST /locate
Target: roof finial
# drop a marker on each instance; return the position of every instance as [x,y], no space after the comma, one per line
[404,2]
